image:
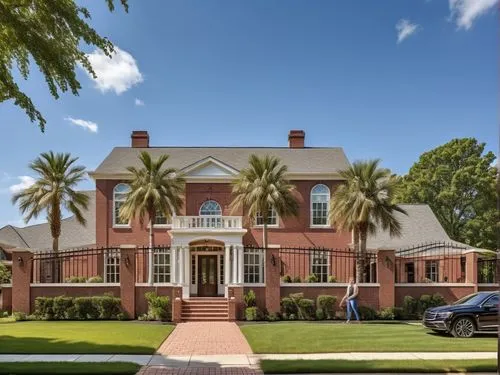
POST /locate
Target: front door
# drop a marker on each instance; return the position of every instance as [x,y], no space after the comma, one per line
[207,275]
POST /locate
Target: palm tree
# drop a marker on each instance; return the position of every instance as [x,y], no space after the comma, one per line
[52,191]
[153,189]
[364,204]
[261,187]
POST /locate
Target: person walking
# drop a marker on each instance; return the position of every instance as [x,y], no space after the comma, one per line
[351,300]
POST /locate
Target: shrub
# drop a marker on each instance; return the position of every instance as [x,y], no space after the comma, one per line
[5,274]
[273,317]
[76,279]
[288,306]
[332,279]
[306,308]
[5,314]
[252,313]
[122,316]
[437,300]
[292,317]
[108,306]
[95,279]
[424,302]
[44,308]
[387,314]
[297,279]
[19,316]
[320,315]
[367,313]
[312,278]
[327,304]
[158,306]
[286,279]
[249,299]
[63,308]
[86,308]
[409,307]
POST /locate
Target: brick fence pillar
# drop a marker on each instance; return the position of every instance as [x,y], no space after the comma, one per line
[177,304]
[236,302]
[471,268]
[6,298]
[21,279]
[386,269]
[273,280]
[127,279]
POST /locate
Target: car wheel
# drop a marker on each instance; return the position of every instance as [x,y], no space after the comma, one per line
[463,327]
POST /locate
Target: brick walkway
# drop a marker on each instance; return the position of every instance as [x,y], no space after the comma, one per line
[162,370]
[205,338]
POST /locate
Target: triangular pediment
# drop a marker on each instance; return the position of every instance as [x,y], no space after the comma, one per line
[209,167]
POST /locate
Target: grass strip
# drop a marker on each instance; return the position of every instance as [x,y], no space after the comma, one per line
[80,368]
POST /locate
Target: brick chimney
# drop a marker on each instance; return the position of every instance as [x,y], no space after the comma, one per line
[140,138]
[296,139]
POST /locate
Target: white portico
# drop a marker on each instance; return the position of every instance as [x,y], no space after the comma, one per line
[207,254]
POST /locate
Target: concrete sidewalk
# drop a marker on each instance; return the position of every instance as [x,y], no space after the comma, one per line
[222,361]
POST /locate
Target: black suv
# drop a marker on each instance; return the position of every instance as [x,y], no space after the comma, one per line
[477,312]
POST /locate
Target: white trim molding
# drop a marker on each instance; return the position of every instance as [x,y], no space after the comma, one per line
[5,286]
[154,285]
[419,285]
[496,285]
[328,285]
[74,285]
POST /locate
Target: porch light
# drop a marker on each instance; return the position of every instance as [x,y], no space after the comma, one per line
[20,261]
[127,261]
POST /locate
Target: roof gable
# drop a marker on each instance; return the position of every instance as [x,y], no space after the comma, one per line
[209,167]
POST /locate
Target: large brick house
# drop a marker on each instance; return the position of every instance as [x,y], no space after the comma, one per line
[209,251]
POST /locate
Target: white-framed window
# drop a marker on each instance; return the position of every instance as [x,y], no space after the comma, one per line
[119,196]
[320,264]
[210,208]
[272,218]
[161,265]
[161,219]
[253,266]
[112,265]
[320,202]
[432,270]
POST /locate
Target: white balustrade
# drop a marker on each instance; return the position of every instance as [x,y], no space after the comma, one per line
[207,222]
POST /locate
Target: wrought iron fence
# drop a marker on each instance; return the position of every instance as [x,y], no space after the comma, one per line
[436,262]
[487,269]
[322,265]
[94,265]
[162,259]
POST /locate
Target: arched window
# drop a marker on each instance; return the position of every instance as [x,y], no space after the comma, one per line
[119,195]
[211,208]
[320,201]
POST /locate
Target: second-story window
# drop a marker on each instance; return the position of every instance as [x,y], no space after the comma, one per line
[272,218]
[320,201]
[161,219]
[119,196]
[210,208]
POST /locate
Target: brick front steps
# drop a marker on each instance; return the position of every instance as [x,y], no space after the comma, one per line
[200,309]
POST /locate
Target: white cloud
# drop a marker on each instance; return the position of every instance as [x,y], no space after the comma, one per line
[405,28]
[118,73]
[88,125]
[26,182]
[138,102]
[465,12]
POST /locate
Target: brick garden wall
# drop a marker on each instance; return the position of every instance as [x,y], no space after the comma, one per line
[450,293]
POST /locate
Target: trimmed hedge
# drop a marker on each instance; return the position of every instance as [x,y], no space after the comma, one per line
[104,307]
[158,307]
[326,304]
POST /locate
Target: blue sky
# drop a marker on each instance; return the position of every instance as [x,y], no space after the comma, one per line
[385,79]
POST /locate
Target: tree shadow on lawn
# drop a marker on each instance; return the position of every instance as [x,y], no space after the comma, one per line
[480,335]
[43,345]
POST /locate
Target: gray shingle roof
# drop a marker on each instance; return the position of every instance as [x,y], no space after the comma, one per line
[420,226]
[38,237]
[303,160]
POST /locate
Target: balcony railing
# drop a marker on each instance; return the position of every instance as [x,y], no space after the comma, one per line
[207,222]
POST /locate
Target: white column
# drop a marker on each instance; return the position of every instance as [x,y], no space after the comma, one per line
[187,266]
[182,259]
[235,265]
[173,264]
[227,265]
[241,264]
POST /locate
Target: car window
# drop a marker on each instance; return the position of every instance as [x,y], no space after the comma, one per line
[493,301]
[471,299]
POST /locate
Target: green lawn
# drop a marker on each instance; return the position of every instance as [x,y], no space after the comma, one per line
[330,338]
[415,366]
[37,368]
[82,337]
